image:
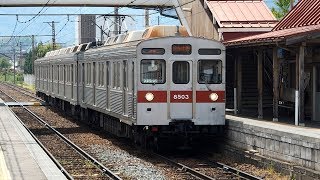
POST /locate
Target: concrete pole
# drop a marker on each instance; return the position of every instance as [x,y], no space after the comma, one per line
[260,84]
[275,84]
[147,18]
[14,64]
[301,84]
[239,83]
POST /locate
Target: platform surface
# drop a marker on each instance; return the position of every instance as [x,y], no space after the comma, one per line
[287,128]
[20,155]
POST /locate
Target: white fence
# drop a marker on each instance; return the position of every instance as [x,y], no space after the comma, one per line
[29,79]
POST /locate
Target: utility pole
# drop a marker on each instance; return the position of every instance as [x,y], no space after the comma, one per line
[116,21]
[14,64]
[146,18]
[101,34]
[32,54]
[20,55]
[52,24]
[291,4]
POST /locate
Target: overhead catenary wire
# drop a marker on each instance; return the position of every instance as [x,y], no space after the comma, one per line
[35,15]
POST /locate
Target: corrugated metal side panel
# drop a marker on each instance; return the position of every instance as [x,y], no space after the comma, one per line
[75,93]
[116,101]
[101,98]
[61,90]
[55,89]
[80,93]
[88,96]
[130,108]
[68,91]
[134,112]
[305,13]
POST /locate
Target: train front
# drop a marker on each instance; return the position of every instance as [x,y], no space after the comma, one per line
[181,87]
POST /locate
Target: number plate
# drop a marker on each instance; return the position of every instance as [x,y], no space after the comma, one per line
[181,96]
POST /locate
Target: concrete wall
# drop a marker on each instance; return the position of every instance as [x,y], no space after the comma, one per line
[285,146]
[29,79]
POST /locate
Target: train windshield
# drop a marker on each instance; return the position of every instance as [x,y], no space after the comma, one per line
[180,72]
[210,71]
[153,71]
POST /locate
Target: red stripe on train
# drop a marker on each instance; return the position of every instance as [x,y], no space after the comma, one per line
[180,96]
[204,96]
[159,97]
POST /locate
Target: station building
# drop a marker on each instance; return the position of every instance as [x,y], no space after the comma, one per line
[277,74]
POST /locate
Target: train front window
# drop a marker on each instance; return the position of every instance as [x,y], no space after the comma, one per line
[153,71]
[180,72]
[210,72]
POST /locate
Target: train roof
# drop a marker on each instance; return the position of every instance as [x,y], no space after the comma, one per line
[128,39]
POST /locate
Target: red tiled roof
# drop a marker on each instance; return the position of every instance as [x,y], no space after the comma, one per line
[244,13]
[275,36]
[303,20]
[305,13]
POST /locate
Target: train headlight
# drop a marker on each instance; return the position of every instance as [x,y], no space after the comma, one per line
[214,96]
[149,96]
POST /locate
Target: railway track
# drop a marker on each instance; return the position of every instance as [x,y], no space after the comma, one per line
[73,161]
[204,168]
[175,168]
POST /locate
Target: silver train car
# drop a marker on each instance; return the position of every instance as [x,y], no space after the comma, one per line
[150,89]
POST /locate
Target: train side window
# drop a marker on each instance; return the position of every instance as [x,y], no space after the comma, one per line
[118,74]
[125,74]
[71,73]
[108,74]
[133,76]
[114,67]
[153,71]
[90,71]
[180,72]
[207,51]
[209,71]
[102,74]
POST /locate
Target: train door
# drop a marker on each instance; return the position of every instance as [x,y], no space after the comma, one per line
[108,84]
[125,88]
[181,90]
[94,74]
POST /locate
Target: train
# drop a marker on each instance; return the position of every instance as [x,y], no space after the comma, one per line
[150,85]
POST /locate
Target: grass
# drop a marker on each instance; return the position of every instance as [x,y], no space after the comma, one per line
[9,77]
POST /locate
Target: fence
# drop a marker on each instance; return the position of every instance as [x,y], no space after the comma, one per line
[29,79]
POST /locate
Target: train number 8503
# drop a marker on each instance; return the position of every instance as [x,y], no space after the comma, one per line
[180,96]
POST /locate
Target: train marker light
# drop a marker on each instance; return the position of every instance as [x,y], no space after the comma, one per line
[214,96]
[149,96]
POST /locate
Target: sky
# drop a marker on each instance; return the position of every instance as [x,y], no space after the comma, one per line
[65,28]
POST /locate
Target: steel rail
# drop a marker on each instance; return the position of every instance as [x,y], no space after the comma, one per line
[185,168]
[15,87]
[235,171]
[64,171]
[104,169]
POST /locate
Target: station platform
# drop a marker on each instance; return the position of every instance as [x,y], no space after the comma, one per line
[299,146]
[20,155]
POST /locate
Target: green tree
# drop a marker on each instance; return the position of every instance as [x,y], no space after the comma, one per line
[4,63]
[39,52]
[281,9]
